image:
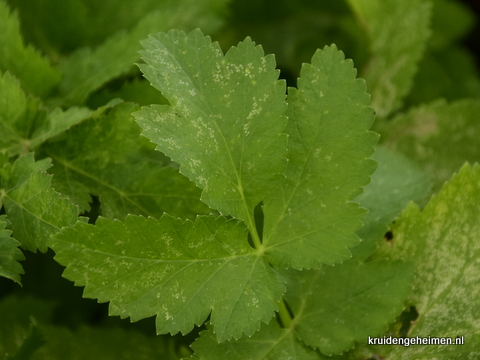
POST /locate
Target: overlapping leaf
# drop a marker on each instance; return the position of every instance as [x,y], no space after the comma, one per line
[35,73]
[224,122]
[270,343]
[308,219]
[329,308]
[10,254]
[330,305]
[34,209]
[24,124]
[105,156]
[179,271]
[392,68]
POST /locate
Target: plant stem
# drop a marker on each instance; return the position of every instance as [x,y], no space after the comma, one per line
[253,232]
[284,314]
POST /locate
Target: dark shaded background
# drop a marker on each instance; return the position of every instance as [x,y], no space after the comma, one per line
[473,40]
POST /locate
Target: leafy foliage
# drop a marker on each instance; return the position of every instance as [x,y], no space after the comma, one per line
[253,220]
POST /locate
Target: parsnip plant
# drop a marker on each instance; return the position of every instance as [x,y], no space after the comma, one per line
[249,219]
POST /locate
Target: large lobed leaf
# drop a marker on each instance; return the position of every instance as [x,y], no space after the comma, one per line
[309,219]
[179,271]
[225,118]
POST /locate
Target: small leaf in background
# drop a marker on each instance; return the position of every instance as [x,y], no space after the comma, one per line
[34,209]
[447,70]
[10,254]
[24,124]
[439,136]
[87,69]
[225,120]
[309,219]
[392,67]
[179,271]
[36,75]
[105,156]
[395,183]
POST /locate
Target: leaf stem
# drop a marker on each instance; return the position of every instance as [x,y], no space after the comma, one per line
[254,233]
[284,314]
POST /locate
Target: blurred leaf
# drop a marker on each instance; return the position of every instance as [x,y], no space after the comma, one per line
[86,70]
[25,124]
[37,76]
[391,69]
[442,240]
[439,136]
[10,254]
[26,332]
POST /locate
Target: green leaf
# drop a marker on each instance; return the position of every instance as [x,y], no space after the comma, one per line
[138,91]
[179,271]
[25,124]
[27,332]
[55,26]
[18,313]
[105,156]
[336,306]
[225,118]
[449,73]
[86,70]
[399,31]
[451,20]
[34,209]
[309,219]
[13,108]
[439,136]
[270,343]
[443,241]
[10,254]
[35,73]
[395,182]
